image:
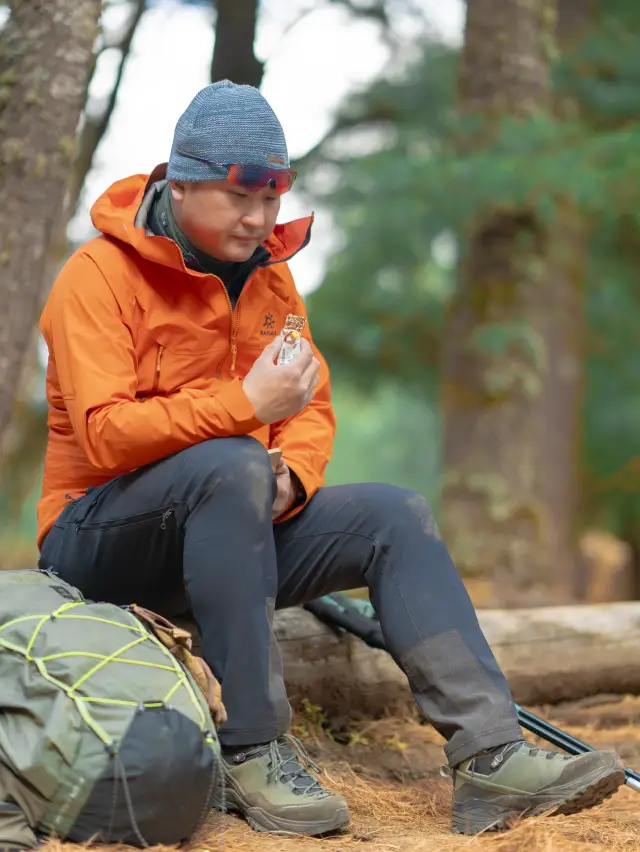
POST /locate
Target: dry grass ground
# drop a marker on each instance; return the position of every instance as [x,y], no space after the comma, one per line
[389,772]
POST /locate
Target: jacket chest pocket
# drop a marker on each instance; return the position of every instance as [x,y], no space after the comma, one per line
[163,371]
[246,356]
[177,348]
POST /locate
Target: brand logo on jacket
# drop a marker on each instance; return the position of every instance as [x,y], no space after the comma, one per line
[269,326]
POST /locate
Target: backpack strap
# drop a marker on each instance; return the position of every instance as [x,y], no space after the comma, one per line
[180,642]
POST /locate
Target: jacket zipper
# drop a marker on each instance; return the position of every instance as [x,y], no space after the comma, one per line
[235,325]
[156,375]
[233,345]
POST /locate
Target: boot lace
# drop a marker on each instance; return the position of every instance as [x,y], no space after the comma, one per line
[489,761]
[289,762]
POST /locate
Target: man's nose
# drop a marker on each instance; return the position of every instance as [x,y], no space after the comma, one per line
[254,218]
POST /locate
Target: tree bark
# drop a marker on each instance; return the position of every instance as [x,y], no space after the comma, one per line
[96,125]
[548,654]
[93,128]
[635,567]
[45,54]
[512,357]
[233,57]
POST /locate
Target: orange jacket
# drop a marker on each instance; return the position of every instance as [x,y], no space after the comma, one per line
[146,357]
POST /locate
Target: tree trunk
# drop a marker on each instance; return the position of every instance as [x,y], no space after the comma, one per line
[45,54]
[513,353]
[608,570]
[548,654]
[233,56]
[96,124]
[635,568]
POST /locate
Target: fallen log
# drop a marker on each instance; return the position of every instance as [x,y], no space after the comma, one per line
[549,654]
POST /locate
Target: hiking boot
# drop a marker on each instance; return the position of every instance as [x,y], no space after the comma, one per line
[494,788]
[271,787]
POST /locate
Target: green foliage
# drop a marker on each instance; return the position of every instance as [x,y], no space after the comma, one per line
[498,339]
[602,73]
[382,325]
[388,435]
[612,404]
[381,306]
[380,311]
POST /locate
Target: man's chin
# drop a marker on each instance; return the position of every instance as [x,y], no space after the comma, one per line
[240,250]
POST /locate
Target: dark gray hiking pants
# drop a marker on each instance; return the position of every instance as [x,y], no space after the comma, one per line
[200,522]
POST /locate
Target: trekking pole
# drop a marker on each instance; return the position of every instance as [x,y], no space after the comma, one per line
[561,739]
[358,618]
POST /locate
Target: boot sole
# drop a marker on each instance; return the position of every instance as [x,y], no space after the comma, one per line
[475,815]
[260,820]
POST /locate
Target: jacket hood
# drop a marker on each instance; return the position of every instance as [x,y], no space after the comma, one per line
[115,215]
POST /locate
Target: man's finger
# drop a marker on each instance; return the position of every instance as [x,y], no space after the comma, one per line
[281,467]
[310,392]
[305,357]
[311,372]
[272,350]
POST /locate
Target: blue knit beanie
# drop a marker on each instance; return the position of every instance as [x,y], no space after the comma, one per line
[229,124]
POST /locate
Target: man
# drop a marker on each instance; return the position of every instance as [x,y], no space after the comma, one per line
[162,401]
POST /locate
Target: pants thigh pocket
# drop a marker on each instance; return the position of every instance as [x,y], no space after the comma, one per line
[125,560]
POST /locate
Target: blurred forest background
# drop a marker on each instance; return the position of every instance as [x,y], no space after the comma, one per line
[480,305]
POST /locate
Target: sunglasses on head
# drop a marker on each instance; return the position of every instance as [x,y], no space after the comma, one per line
[254,178]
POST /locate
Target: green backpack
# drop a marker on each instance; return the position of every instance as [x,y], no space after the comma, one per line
[104,732]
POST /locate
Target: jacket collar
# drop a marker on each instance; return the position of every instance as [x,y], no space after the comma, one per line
[284,243]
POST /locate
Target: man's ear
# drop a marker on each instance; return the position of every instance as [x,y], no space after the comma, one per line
[178,190]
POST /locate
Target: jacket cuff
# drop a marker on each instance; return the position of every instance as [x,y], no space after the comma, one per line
[236,403]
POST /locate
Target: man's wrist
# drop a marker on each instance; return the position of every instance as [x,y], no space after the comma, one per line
[299,494]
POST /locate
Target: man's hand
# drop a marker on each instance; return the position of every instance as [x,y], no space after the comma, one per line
[286,490]
[278,391]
